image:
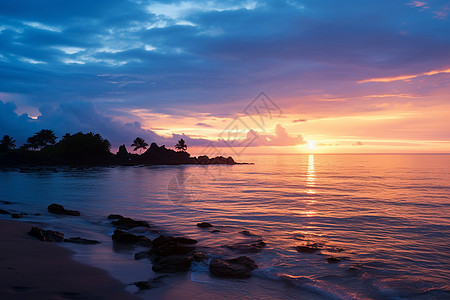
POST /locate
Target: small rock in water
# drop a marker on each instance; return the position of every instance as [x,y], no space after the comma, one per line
[333,260]
[17,216]
[4,212]
[129,238]
[215,231]
[114,217]
[60,210]
[240,267]
[204,225]
[46,235]
[78,240]
[199,256]
[308,249]
[249,247]
[128,223]
[143,285]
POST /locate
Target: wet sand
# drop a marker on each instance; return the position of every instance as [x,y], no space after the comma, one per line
[31,269]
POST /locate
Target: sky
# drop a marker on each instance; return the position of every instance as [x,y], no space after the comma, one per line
[276,76]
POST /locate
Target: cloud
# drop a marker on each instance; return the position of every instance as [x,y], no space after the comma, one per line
[204,125]
[279,138]
[405,77]
[358,144]
[299,120]
[81,116]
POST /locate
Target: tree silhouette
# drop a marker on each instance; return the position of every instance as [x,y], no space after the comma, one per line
[7,142]
[181,145]
[41,139]
[139,144]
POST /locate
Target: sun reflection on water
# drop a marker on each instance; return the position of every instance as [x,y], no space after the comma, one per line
[310,175]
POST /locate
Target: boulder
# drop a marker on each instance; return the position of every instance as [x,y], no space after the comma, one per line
[204,225]
[240,267]
[172,264]
[129,238]
[78,240]
[128,223]
[46,235]
[60,210]
[161,240]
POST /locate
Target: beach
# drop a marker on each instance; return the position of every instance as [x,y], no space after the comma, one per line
[31,269]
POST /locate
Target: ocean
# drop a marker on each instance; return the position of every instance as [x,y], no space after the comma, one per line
[385,217]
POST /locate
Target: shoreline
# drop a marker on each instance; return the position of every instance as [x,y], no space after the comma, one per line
[31,269]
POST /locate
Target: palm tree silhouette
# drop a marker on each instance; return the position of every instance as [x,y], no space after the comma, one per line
[139,143]
[181,145]
[8,142]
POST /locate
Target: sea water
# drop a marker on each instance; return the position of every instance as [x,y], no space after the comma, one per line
[386,217]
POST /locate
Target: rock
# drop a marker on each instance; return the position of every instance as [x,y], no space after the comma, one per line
[46,235]
[172,264]
[161,240]
[172,248]
[142,254]
[308,248]
[245,261]
[129,238]
[333,260]
[143,285]
[115,217]
[215,231]
[252,247]
[78,240]
[199,256]
[60,210]
[204,225]
[4,212]
[128,223]
[240,267]
[17,216]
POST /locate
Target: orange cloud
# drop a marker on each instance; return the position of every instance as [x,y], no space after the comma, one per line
[405,77]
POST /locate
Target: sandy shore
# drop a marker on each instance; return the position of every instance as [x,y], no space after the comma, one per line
[31,269]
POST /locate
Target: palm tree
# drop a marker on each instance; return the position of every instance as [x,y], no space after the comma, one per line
[41,139]
[8,142]
[181,145]
[139,143]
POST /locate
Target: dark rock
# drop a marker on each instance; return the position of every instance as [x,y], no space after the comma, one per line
[128,223]
[252,247]
[78,240]
[199,256]
[17,216]
[4,212]
[172,264]
[129,238]
[115,217]
[204,225]
[161,240]
[172,248]
[333,260]
[245,261]
[46,235]
[60,210]
[143,285]
[240,267]
[142,254]
[215,231]
[308,248]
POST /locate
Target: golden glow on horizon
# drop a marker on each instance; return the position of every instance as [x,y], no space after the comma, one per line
[311,145]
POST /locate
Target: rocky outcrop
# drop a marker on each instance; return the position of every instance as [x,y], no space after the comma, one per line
[60,210]
[240,267]
[162,155]
[46,235]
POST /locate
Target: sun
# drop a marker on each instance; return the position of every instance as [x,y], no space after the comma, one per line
[311,145]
